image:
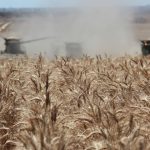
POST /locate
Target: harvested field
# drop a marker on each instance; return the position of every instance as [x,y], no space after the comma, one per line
[75,104]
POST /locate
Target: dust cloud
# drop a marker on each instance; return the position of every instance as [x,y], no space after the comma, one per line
[101,26]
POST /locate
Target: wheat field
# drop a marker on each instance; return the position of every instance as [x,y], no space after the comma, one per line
[75,104]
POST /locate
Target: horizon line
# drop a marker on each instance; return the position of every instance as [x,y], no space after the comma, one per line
[48,7]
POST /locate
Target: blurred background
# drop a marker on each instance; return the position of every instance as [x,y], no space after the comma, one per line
[93,26]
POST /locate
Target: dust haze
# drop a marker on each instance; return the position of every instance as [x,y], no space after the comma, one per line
[101,26]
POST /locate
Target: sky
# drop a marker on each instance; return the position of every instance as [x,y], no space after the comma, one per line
[54,3]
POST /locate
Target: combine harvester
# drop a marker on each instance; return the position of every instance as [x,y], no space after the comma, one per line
[73,49]
[145,46]
[14,46]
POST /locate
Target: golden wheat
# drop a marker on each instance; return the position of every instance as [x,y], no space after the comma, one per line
[67,104]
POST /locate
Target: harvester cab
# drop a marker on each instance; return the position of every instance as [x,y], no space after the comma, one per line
[145,46]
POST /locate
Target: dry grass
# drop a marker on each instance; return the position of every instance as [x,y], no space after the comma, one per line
[68,104]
